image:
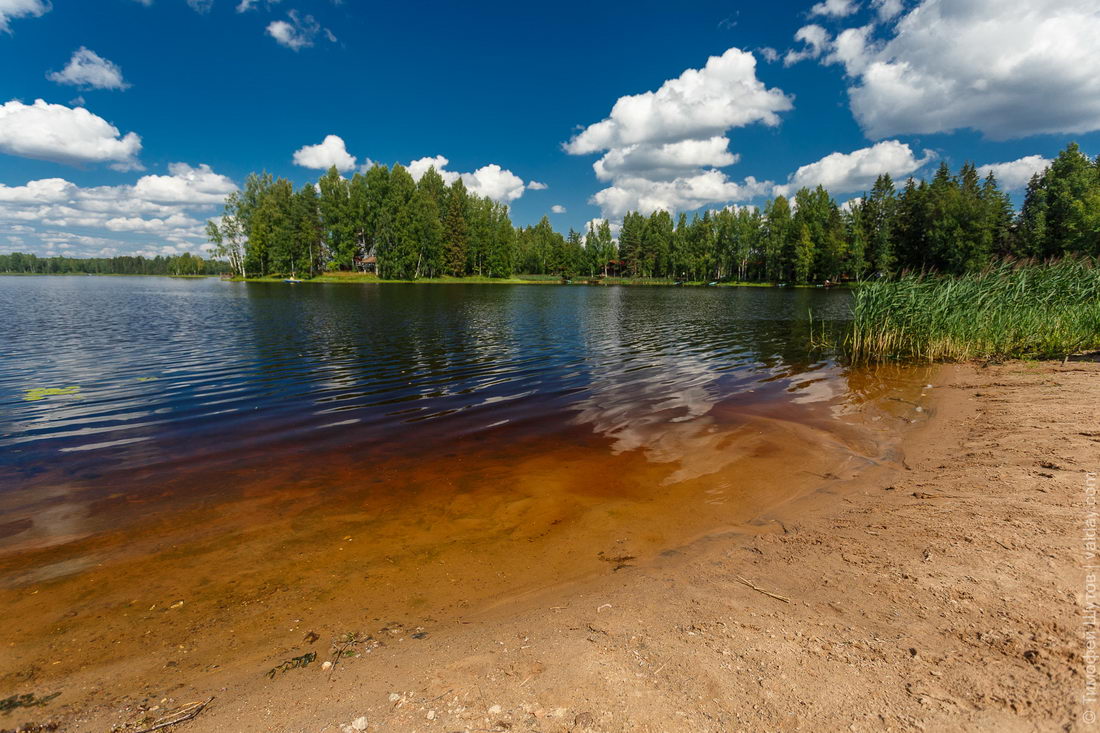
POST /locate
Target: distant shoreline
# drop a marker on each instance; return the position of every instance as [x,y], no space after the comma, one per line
[102,274]
[368,279]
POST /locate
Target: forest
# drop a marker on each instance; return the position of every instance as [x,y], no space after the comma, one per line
[178,265]
[407,229]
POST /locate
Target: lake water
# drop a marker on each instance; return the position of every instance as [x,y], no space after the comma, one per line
[267,450]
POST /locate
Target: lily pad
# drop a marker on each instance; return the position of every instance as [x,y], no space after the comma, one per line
[41,393]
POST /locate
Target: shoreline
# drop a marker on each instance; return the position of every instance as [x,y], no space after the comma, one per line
[364,279]
[937,597]
[934,590]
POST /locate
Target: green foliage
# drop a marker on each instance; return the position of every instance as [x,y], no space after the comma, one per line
[178,265]
[1011,309]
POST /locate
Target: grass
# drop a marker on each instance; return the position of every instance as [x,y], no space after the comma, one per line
[1010,310]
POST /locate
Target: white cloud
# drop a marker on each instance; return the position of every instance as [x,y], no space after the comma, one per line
[680,194]
[162,208]
[557,209]
[770,54]
[1007,68]
[700,103]
[298,32]
[89,70]
[185,185]
[888,9]
[245,5]
[536,186]
[200,6]
[835,8]
[330,152]
[58,133]
[43,191]
[20,9]
[815,40]
[490,181]
[664,161]
[1016,174]
[857,171]
[662,149]
[494,182]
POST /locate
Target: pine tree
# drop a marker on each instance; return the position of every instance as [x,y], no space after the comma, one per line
[456,235]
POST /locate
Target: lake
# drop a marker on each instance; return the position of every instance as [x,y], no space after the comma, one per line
[268,453]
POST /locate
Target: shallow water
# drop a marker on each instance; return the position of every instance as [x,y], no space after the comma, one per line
[269,452]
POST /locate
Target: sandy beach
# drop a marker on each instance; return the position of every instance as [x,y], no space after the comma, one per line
[938,591]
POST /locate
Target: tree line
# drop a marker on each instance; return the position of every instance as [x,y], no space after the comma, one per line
[184,264]
[408,229]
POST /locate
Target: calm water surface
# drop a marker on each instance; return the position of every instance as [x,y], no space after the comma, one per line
[197,374]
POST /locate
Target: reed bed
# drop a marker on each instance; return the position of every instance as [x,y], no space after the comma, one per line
[1010,310]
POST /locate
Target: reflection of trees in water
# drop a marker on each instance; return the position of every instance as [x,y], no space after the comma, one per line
[660,361]
[456,347]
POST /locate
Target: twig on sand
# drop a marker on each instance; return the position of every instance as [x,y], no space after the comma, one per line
[758,589]
[185,713]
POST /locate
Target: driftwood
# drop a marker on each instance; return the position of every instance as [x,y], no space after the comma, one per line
[181,715]
[758,589]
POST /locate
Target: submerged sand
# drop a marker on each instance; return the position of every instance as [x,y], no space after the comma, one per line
[935,588]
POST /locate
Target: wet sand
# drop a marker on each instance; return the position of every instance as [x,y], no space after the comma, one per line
[489,597]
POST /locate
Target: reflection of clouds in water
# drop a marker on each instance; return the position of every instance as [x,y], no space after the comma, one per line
[659,406]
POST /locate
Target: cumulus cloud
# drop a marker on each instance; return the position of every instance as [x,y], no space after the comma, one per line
[490,181]
[21,9]
[297,32]
[557,209]
[169,209]
[680,194]
[665,161]
[700,103]
[815,41]
[65,135]
[1007,68]
[185,185]
[1014,175]
[494,182]
[661,149]
[536,186]
[329,152]
[857,171]
[887,10]
[89,70]
[835,8]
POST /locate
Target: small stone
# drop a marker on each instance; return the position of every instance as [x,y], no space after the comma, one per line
[495,710]
[431,715]
[394,697]
[326,665]
[359,723]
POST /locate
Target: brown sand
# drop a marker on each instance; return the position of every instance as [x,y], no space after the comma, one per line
[941,596]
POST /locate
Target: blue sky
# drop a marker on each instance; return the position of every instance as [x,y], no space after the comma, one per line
[513,94]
